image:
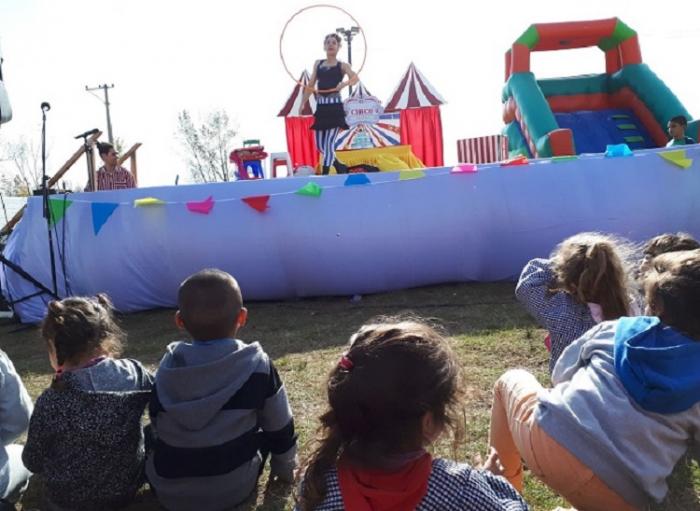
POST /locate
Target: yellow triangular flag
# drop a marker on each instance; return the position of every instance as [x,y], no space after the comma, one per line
[148,201]
[677,158]
[411,174]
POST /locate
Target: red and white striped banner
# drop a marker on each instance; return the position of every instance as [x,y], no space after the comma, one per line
[489,149]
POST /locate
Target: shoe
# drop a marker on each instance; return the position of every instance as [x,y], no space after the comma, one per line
[326,170]
[340,168]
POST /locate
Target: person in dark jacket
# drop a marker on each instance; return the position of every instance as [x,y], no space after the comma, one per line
[85,436]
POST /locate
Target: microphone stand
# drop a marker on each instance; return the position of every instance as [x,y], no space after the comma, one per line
[45,192]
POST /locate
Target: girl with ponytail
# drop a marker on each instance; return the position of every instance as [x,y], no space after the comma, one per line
[585,281]
[390,396]
[85,435]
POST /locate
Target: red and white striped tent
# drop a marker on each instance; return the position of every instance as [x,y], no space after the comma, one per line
[298,119]
[488,149]
[421,125]
[413,91]
[293,106]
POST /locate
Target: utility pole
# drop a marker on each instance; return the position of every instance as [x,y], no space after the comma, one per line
[348,35]
[105,87]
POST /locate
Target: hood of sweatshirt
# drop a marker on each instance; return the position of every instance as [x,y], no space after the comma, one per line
[195,380]
[376,490]
[657,364]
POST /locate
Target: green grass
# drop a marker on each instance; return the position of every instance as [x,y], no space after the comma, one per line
[489,330]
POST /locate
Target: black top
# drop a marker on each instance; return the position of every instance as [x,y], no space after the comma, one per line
[329,77]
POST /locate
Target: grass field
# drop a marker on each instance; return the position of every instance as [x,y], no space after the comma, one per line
[489,330]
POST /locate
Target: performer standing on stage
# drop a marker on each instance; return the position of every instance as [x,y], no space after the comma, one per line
[329,115]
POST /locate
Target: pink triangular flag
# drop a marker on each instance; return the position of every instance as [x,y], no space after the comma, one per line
[464,168]
[258,202]
[202,207]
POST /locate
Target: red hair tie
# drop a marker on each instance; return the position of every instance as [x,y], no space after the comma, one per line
[345,363]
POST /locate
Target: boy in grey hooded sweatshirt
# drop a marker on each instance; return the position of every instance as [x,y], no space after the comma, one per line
[218,406]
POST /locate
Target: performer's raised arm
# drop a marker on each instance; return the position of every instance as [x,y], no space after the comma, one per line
[309,89]
[352,76]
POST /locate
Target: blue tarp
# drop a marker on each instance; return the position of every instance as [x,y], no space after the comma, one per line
[386,235]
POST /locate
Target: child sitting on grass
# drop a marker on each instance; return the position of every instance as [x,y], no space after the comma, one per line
[390,397]
[625,403]
[85,437]
[219,407]
[584,282]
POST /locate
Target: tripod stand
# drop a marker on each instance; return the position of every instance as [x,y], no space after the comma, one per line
[45,107]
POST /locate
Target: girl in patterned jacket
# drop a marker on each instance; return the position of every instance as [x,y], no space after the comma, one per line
[85,436]
[394,392]
[585,281]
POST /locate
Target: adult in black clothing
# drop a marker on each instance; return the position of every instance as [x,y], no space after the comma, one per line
[329,115]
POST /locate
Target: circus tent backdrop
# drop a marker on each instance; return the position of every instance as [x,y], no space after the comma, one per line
[384,133]
[298,119]
[421,125]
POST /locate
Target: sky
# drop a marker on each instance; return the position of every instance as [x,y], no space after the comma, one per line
[166,56]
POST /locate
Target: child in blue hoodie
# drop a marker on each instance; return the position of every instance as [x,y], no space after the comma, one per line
[625,404]
[218,405]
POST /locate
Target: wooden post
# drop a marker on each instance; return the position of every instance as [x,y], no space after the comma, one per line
[131,156]
[56,177]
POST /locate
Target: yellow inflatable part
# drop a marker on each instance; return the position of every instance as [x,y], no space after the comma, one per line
[392,158]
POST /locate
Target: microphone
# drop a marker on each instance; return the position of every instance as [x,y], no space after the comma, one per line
[45,107]
[88,133]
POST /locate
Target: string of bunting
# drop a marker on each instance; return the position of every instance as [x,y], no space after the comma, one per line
[103,211]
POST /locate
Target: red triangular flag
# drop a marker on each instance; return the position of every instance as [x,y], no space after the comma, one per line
[513,162]
[258,203]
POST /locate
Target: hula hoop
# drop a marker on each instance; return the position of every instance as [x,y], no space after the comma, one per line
[284,30]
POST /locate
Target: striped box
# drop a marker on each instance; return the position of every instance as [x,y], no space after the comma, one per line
[489,149]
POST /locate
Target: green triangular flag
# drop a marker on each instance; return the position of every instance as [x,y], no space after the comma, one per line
[310,189]
[559,159]
[410,174]
[677,158]
[58,208]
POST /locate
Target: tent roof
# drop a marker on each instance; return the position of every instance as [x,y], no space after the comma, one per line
[293,106]
[413,91]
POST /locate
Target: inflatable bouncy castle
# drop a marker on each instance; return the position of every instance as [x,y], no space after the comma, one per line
[583,114]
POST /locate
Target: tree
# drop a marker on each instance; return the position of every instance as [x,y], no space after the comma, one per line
[25,157]
[207,146]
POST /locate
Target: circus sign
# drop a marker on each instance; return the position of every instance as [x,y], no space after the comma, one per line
[362,110]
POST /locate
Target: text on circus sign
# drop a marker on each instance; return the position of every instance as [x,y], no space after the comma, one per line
[362,110]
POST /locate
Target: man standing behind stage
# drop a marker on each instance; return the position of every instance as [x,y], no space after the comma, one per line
[111,176]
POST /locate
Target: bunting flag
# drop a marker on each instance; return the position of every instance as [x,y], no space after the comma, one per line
[568,157]
[514,162]
[357,179]
[406,175]
[101,211]
[258,202]
[203,207]
[677,158]
[310,189]
[617,151]
[148,201]
[464,168]
[57,208]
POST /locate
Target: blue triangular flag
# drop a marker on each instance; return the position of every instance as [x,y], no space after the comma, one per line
[357,179]
[101,211]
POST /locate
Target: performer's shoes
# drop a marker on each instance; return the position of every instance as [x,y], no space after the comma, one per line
[326,170]
[340,168]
